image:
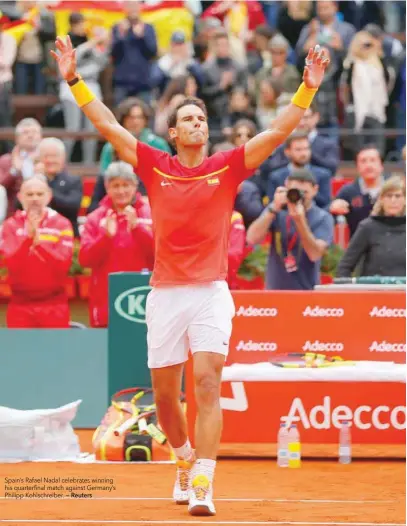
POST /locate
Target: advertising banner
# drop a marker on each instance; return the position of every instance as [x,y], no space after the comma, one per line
[360,325]
[253,411]
[127,334]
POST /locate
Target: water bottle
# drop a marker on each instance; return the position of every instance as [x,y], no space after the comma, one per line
[294,447]
[282,446]
[345,449]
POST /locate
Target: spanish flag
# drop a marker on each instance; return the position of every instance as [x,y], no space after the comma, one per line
[18,28]
[166,17]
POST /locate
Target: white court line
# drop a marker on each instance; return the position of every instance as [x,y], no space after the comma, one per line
[178,522]
[295,501]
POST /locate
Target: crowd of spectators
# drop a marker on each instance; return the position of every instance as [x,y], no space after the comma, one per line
[245,61]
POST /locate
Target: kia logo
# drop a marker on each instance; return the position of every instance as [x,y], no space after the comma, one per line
[131,304]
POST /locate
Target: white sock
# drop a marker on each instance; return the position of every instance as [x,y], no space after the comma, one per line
[184,452]
[204,466]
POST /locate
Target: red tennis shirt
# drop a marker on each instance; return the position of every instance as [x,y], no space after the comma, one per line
[191,210]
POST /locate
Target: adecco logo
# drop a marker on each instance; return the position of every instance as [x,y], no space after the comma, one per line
[257,312]
[387,347]
[130,304]
[256,346]
[318,346]
[320,312]
[386,312]
[364,416]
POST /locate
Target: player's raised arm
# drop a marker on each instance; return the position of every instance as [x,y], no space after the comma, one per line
[102,118]
[258,149]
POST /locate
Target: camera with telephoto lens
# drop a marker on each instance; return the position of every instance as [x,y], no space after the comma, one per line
[294,195]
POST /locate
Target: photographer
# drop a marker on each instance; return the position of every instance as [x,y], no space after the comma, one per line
[300,234]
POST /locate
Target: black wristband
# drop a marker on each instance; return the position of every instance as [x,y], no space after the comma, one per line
[74,81]
[271,209]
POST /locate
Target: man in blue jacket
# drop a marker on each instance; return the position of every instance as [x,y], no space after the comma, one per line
[134,45]
[298,151]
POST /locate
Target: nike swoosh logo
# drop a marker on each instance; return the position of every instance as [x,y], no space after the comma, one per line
[164,183]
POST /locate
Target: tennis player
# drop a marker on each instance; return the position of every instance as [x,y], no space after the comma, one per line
[190,306]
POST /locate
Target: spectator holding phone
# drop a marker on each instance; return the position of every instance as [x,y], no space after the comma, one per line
[37,245]
[300,231]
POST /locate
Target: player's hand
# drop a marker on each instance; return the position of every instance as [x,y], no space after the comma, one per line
[110,223]
[315,65]
[339,207]
[131,217]
[280,198]
[66,58]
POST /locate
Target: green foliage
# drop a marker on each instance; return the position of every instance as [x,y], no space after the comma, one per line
[254,265]
[76,268]
[331,259]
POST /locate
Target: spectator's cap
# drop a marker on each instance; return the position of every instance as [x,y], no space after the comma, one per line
[302,175]
[374,30]
[122,170]
[264,31]
[211,23]
[76,18]
[178,37]
[279,42]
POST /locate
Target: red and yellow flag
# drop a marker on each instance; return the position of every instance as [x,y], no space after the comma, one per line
[18,28]
[166,17]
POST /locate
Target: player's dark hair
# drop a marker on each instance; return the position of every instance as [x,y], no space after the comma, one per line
[370,146]
[297,136]
[188,101]
[302,175]
[124,108]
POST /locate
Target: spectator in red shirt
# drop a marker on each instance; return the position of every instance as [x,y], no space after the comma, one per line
[117,237]
[37,245]
[236,251]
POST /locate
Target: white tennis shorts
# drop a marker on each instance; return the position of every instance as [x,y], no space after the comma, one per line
[195,317]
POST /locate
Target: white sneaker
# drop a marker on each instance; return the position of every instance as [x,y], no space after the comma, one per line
[200,497]
[181,486]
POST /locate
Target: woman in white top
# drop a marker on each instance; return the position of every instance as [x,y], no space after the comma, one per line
[365,87]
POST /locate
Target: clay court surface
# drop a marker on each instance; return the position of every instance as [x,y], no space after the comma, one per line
[247,492]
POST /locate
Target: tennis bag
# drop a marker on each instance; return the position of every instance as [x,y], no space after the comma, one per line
[294,360]
[129,430]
